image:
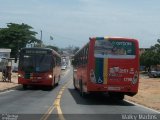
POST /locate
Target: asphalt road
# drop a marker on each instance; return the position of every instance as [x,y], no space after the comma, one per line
[65,103]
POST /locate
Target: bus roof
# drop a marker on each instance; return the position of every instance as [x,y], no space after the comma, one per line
[107,38]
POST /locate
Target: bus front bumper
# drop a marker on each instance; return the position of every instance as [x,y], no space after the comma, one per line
[45,82]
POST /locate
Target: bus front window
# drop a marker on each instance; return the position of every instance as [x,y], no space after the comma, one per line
[36,63]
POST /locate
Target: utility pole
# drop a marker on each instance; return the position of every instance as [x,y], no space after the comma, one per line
[41,38]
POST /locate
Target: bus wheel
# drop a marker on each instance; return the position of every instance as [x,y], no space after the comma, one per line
[24,87]
[74,84]
[121,97]
[82,93]
[55,84]
[59,77]
[50,87]
[116,96]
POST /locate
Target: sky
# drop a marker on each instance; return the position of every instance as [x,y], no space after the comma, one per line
[72,22]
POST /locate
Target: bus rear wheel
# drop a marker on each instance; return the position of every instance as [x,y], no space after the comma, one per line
[74,84]
[59,78]
[120,96]
[56,84]
[82,93]
[50,87]
[116,96]
[24,87]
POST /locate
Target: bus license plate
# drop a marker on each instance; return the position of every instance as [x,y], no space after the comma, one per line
[34,80]
[114,88]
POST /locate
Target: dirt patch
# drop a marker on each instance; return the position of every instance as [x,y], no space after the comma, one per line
[148,93]
[7,85]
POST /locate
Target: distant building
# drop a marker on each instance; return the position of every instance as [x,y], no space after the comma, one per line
[5,53]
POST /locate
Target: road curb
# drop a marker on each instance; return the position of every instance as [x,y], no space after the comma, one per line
[11,88]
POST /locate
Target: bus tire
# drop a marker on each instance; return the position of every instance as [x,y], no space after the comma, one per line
[59,77]
[74,84]
[55,84]
[82,93]
[121,97]
[24,87]
[116,96]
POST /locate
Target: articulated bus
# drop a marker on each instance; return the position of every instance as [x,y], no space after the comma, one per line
[39,67]
[109,65]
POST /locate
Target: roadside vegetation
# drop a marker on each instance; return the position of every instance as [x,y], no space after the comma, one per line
[151,57]
[16,36]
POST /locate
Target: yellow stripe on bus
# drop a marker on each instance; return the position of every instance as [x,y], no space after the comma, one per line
[105,71]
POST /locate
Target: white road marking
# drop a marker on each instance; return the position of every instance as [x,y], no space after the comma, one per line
[143,106]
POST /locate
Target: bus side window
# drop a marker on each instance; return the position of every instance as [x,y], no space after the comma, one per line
[78,60]
[81,58]
[53,61]
[57,61]
[75,62]
[86,55]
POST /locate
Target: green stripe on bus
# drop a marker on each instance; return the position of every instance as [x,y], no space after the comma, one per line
[99,70]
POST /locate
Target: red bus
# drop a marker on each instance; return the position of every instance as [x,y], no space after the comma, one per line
[109,65]
[39,66]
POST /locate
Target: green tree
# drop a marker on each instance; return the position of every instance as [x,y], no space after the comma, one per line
[151,57]
[17,36]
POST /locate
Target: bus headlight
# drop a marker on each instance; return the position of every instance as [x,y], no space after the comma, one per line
[50,76]
[20,75]
[135,78]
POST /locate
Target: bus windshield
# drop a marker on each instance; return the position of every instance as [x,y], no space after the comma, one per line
[114,49]
[36,63]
